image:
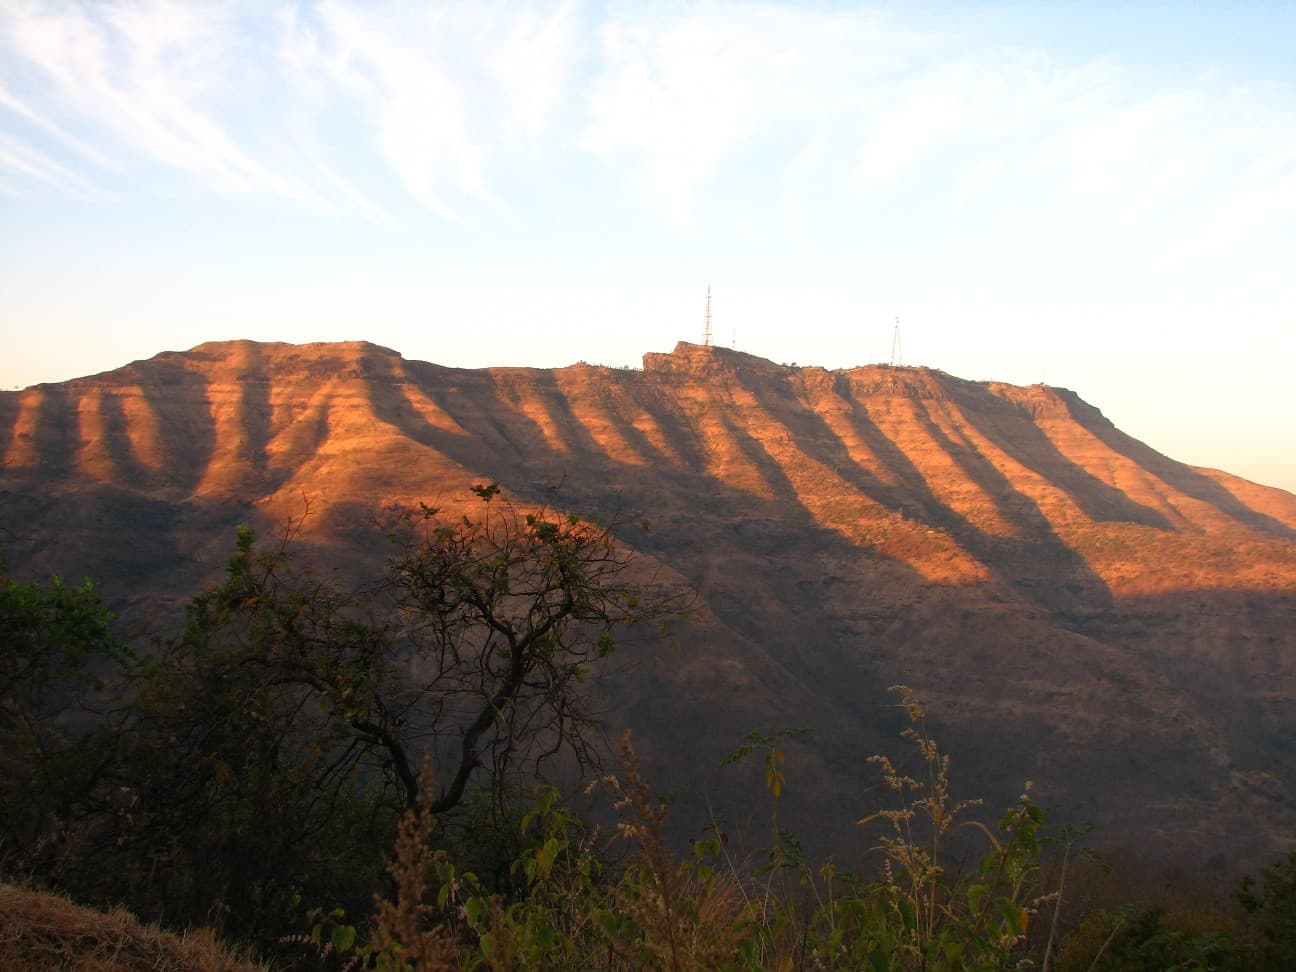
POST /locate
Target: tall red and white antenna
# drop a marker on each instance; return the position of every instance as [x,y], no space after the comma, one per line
[896,360]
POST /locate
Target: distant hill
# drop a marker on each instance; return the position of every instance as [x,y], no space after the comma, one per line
[1075,608]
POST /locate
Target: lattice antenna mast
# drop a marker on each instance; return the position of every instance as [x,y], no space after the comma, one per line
[896,360]
[706,326]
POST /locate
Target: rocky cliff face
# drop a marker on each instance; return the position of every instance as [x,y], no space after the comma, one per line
[1075,608]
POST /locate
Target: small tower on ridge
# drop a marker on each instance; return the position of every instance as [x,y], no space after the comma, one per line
[706,326]
[896,360]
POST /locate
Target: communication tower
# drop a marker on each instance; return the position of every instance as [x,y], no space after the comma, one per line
[706,327]
[896,360]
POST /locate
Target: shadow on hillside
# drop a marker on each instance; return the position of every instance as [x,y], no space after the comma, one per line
[1026,443]
[181,401]
[1029,561]
[1174,474]
[502,441]
[815,627]
[54,436]
[116,441]
[254,415]
[1023,563]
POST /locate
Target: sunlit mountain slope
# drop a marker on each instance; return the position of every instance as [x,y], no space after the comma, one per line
[1076,608]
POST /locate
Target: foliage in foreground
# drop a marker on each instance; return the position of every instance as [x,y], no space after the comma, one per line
[253,774]
[652,909]
[258,762]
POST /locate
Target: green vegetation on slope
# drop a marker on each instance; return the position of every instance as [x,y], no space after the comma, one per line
[300,749]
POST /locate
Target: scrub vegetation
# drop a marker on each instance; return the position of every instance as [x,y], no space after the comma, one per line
[383,778]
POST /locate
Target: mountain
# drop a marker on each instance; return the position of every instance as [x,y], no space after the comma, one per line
[1073,607]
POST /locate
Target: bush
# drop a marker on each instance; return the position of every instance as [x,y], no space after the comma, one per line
[1272,902]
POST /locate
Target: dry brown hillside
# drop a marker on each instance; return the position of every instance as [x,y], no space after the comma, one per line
[44,933]
[1075,608]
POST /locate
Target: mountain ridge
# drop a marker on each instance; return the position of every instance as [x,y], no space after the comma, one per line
[1076,606]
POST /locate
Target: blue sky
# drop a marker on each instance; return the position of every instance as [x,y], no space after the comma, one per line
[1100,196]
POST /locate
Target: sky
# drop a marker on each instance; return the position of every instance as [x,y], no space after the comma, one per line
[1099,196]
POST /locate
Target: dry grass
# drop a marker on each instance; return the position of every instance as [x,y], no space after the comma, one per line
[43,931]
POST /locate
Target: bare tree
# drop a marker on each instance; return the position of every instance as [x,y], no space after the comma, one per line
[504,614]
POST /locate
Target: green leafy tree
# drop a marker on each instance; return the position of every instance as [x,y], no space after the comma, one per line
[272,746]
[58,659]
[246,787]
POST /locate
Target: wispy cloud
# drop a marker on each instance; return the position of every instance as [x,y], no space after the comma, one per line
[332,104]
[78,145]
[442,90]
[532,66]
[417,106]
[679,93]
[686,98]
[222,93]
[141,76]
[28,161]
